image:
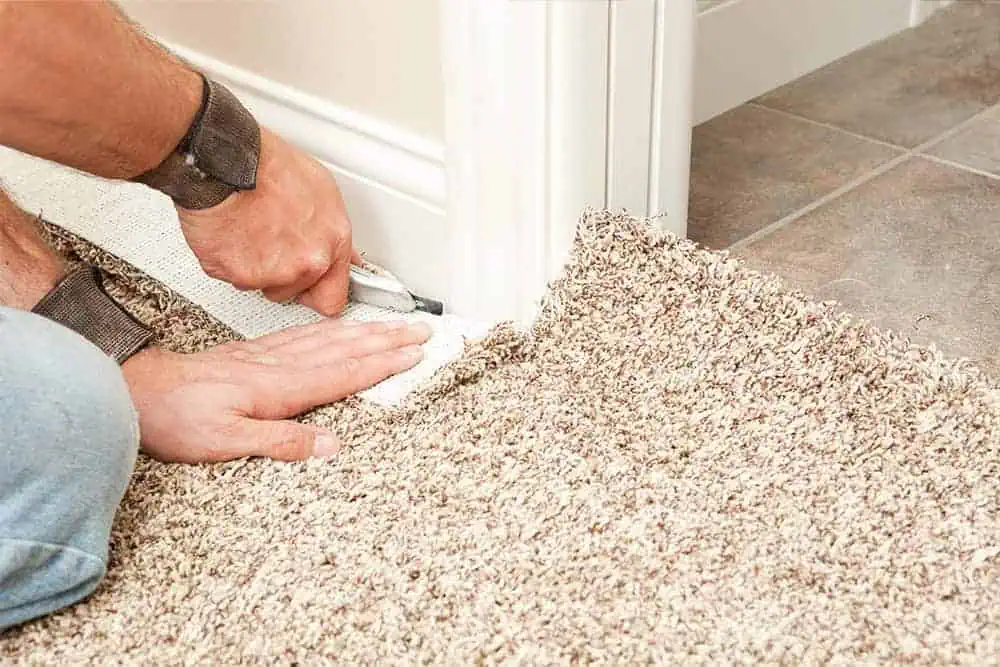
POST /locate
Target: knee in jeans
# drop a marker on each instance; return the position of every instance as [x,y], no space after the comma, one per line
[72,402]
[68,443]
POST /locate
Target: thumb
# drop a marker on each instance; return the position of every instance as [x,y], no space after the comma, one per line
[287,440]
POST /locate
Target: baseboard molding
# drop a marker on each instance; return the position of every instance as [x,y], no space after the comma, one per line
[364,146]
[394,183]
[745,48]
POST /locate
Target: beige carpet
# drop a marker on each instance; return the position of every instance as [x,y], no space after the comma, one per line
[681,463]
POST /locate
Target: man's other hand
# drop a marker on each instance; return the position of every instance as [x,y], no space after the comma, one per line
[235,400]
[290,237]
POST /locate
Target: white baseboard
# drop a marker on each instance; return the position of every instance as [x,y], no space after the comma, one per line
[745,48]
[351,141]
[394,183]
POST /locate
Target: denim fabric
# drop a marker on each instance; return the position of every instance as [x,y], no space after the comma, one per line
[68,441]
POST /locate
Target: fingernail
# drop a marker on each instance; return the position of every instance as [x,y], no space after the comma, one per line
[413,353]
[396,324]
[326,445]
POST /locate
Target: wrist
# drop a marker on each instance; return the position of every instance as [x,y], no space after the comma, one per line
[38,273]
[79,302]
[28,267]
[217,155]
[182,99]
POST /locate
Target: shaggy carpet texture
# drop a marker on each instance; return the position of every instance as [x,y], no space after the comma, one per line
[680,462]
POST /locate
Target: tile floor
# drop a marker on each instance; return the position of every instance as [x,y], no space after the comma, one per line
[874,182]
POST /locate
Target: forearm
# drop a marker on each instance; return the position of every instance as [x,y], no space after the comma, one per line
[28,267]
[81,86]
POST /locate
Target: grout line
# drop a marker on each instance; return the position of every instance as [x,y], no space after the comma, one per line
[828,197]
[829,126]
[957,129]
[916,151]
[959,165]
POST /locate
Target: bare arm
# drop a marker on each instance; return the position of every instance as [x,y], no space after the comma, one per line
[28,267]
[82,86]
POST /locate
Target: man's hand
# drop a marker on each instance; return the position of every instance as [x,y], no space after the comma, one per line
[82,86]
[290,237]
[231,401]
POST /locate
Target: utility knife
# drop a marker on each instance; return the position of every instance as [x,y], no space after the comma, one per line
[385,291]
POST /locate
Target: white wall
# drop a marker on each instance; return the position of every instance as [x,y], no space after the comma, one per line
[377,57]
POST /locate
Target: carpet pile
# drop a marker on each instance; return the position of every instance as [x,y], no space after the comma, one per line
[681,461]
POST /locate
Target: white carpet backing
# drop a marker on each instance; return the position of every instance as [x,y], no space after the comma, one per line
[140,226]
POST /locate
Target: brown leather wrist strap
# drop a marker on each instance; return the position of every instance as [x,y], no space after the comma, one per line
[218,155]
[80,302]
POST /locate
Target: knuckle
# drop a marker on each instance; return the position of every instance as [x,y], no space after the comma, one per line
[293,447]
[225,269]
[220,444]
[324,307]
[400,336]
[246,350]
[304,267]
[239,278]
[375,328]
[317,262]
[341,231]
[275,296]
[351,366]
[282,286]
[213,270]
[341,244]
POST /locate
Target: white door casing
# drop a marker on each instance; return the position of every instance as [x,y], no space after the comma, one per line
[524,134]
[553,107]
[556,105]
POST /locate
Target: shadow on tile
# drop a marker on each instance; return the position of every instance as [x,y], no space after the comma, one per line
[910,87]
[751,167]
[916,250]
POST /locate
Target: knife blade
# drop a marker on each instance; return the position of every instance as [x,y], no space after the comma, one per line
[385,291]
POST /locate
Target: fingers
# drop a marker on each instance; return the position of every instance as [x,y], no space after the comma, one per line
[297,370]
[354,341]
[309,272]
[283,440]
[330,293]
[320,383]
[303,336]
[318,353]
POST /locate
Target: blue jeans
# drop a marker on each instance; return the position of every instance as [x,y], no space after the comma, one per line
[68,441]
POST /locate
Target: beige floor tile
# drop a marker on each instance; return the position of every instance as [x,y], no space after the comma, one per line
[910,87]
[753,166]
[978,146]
[916,250]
